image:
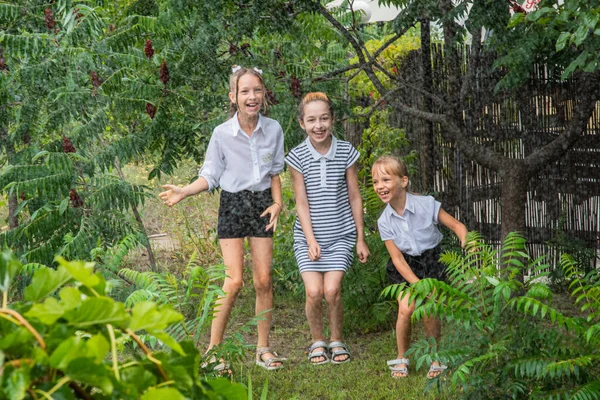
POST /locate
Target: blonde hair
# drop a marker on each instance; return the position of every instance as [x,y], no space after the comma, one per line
[234,79]
[393,166]
[314,96]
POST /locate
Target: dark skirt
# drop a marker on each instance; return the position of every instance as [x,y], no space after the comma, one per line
[239,214]
[426,265]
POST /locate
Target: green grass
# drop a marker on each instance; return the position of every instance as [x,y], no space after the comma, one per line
[365,377]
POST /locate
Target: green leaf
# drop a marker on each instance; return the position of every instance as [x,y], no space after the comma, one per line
[63,205]
[562,40]
[169,341]
[48,312]
[580,34]
[82,271]
[227,389]
[146,315]
[9,268]
[97,347]
[163,393]
[93,374]
[98,311]
[16,382]
[45,282]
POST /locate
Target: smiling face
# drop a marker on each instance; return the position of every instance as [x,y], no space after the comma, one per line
[250,95]
[317,122]
[388,186]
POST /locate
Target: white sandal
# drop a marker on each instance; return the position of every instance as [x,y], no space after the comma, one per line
[266,364]
[322,353]
[393,366]
[436,368]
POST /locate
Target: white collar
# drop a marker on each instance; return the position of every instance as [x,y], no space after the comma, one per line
[236,128]
[330,155]
[409,205]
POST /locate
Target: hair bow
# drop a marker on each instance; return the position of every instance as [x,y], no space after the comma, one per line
[235,69]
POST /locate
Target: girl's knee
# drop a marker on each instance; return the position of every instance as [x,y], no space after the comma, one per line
[333,293]
[263,283]
[232,287]
[314,293]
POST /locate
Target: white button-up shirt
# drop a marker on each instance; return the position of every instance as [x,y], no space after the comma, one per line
[235,161]
[416,229]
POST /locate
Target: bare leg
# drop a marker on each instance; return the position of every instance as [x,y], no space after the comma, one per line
[233,258]
[262,260]
[433,328]
[313,286]
[403,329]
[335,308]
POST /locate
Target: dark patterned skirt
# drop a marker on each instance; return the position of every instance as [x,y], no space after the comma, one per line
[427,265]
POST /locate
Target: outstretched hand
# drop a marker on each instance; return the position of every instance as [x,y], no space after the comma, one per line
[173,195]
[362,250]
[273,210]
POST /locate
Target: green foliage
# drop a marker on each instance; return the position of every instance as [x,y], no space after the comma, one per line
[65,346]
[508,339]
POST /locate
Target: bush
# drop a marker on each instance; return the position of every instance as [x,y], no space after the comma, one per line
[507,339]
[66,346]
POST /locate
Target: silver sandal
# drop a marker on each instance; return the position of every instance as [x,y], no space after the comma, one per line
[393,366]
[436,368]
[314,354]
[266,364]
[340,352]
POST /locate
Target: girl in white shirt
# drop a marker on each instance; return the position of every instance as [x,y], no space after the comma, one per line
[408,226]
[244,158]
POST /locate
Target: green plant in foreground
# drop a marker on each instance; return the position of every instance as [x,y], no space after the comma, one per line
[506,339]
[66,346]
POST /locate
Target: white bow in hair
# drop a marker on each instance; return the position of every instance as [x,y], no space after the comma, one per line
[257,70]
[235,69]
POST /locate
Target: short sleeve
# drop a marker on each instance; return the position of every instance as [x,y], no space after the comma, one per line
[293,160]
[214,165]
[353,156]
[278,159]
[436,210]
[385,230]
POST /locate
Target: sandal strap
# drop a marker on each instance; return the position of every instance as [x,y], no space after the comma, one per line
[403,370]
[338,344]
[317,344]
[393,363]
[260,351]
[438,368]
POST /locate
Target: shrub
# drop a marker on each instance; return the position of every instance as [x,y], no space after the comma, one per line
[507,339]
[66,346]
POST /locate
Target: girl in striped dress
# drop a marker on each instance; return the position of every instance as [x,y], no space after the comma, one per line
[329,222]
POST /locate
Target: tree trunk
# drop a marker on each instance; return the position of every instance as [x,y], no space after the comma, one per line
[426,154]
[513,200]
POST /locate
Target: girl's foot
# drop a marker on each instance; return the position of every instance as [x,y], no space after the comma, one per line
[339,352]
[399,367]
[317,354]
[435,369]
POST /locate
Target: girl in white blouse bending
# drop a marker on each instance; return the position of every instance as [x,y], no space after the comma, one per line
[244,158]
[408,226]
[329,222]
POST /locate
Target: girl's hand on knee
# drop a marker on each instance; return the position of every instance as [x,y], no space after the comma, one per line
[274,210]
[314,251]
[362,250]
[172,196]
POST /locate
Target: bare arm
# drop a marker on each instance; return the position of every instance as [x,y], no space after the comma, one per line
[274,209]
[356,205]
[400,263]
[303,211]
[459,229]
[174,194]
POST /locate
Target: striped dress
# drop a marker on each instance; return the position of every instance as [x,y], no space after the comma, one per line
[330,211]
